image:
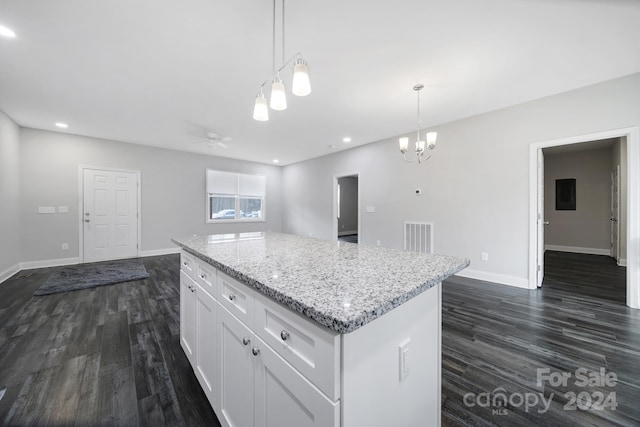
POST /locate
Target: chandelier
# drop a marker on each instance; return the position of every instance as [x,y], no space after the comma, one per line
[420,144]
[301,85]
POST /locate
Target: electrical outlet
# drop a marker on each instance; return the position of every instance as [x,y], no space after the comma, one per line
[485,256]
[377,242]
[65,246]
[310,234]
[404,359]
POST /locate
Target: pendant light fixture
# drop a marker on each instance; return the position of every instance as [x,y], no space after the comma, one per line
[420,144]
[301,85]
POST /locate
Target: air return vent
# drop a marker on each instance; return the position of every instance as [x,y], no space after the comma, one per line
[418,237]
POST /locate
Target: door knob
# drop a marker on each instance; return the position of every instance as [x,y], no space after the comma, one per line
[545,222]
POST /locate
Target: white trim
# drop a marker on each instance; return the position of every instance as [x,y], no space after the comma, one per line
[334,232]
[633,203]
[347,233]
[502,279]
[4,275]
[158,252]
[578,250]
[30,265]
[622,262]
[81,169]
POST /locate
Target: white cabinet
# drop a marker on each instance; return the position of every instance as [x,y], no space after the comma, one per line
[188,321]
[264,365]
[206,343]
[259,388]
[284,398]
[197,329]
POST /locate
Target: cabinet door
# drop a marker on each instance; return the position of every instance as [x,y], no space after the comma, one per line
[188,339]
[206,353]
[284,398]
[236,370]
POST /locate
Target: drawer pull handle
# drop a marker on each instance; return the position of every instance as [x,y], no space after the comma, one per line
[203,276]
[246,340]
[255,351]
[185,263]
[232,297]
[284,335]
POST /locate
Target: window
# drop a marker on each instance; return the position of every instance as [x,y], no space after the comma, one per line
[235,196]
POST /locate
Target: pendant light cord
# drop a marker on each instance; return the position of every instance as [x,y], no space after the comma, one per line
[274,37]
[282,31]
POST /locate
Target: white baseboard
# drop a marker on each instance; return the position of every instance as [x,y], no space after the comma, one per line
[502,279]
[346,233]
[30,265]
[578,250]
[4,275]
[622,262]
[156,252]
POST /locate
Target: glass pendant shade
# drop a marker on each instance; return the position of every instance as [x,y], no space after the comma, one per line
[404,144]
[260,109]
[431,139]
[278,97]
[301,85]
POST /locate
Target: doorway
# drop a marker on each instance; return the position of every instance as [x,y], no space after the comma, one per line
[536,212]
[109,209]
[346,223]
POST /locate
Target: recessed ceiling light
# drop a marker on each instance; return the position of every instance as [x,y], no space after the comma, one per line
[62,125]
[276,161]
[7,32]
[346,139]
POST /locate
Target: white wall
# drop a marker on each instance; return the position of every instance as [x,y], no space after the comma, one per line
[348,222]
[588,227]
[9,196]
[475,188]
[172,191]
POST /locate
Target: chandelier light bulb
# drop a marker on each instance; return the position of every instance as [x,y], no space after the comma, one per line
[431,139]
[278,97]
[260,109]
[404,144]
[419,147]
[301,85]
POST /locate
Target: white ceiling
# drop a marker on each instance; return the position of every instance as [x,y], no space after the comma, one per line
[162,72]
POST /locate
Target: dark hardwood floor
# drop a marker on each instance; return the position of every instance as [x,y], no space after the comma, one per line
[104,356]
[111,355]
[498,337]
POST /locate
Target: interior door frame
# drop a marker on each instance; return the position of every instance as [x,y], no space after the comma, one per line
[81,170]
[632,237]
[334,232]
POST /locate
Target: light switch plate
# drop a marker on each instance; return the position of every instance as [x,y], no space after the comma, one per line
[46,209]
[371,209]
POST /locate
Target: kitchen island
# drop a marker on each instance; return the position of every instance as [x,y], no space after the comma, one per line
[286,330]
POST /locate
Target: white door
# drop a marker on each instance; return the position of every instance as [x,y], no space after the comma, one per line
[206,350]
[284,398]
[188,320]
[236,370]
[110,215]
[615,208]
[541,221]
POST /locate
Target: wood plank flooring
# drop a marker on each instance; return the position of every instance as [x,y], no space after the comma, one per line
[112,356]
[498,337]
[104,356]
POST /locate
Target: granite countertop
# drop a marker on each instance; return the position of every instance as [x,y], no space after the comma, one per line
[340,285]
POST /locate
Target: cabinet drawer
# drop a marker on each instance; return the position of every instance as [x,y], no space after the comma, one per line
[310,348]
[236,297]
[187,263]
[206,277]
